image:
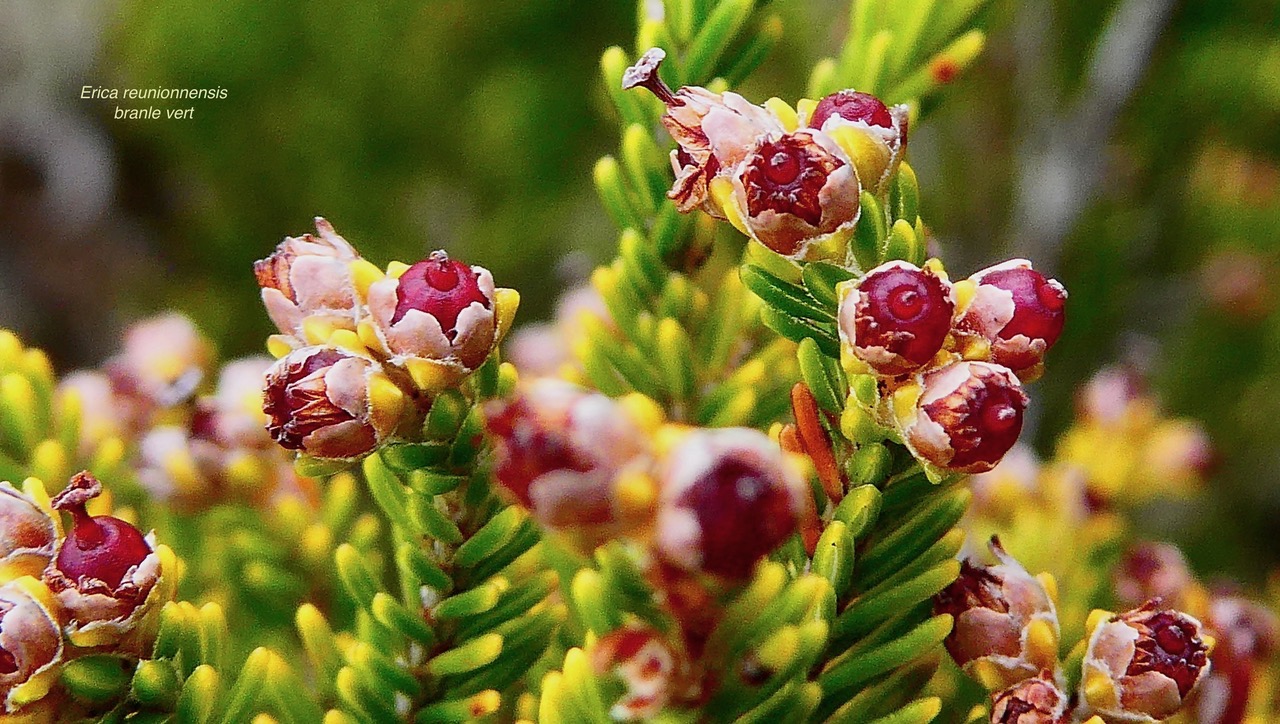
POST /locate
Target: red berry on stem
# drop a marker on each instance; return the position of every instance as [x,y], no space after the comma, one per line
[898,317]
[440,287]
[97,547]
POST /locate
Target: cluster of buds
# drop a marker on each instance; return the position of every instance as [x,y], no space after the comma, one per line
[1139,666]
[1126,450]
[790,178]
[160,369]
[949,359]
[703,501]
[67,591]
[361,351]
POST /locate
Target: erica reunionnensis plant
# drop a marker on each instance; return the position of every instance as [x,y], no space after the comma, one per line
[725,485]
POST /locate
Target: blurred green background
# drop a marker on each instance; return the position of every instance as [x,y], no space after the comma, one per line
[1132,147]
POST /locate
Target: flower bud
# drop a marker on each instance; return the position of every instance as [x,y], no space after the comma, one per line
[104,570]
[330,404]
[1152,570]
[968,415]
[1006,625]
[27,534]
[713,131]
[1110,395]
[30,643]
[896,318]
[1034,701]
[1018,312]
[728,498]
[438,313]
[795,191]
[164,360]
[309,276]
[874,135]
[1142,665]
[644,663]
[103,413]
[560,451]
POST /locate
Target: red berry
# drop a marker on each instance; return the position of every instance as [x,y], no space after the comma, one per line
[1038,304]
[901,317]
[978,409]
[530,448]
[743,514]
[102,547]
[852,106]
[440,287]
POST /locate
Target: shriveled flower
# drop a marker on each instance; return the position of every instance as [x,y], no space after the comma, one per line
[437,319]
[562,451]
[1034,701]
[796,193]
[713,132]
[310,276]
[104,570]
[728,498]
[330,404]
[1018,312]
[967,416]
[30,642]
[163,362]
[896,318]
[1140,666]
[1006,624]
[873,134]
[27,534]
[1152,570]
[646,666]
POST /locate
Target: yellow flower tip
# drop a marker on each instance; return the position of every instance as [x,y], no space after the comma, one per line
[278,346]
[1042,644]
[963,292]
[264,719]
[1050,584]
[505,303]
[775,432]
[363,275]
[484,703]
[721,190]
[386,399]
[430,375]
[396,268]
[1098,690]
[785,113]
[637,494]
[369,336]
[904,401]
[975,349]
[348,340]
[316,330]
[245,471]
[1209,641]
[1096,618]
[987,674]
[805,108]
[934,264]
[1095,719]
[667,437]
[643,411]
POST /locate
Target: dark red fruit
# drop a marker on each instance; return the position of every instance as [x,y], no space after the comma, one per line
[297,410]
[743,512]
[102,547]
[786,175]
[852,106]
[1039,304]
[905,311]
[440,287]
[1172,646]
[982,416]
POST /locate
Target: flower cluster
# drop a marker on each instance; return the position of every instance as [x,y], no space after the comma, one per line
[70,591]
[1138,666]
[711,501]
[361,351]
[790,178]
[949,360]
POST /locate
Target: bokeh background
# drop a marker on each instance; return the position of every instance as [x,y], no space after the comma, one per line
[1132,147]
